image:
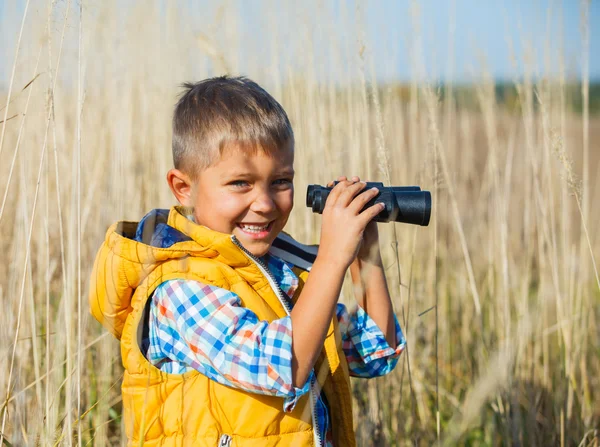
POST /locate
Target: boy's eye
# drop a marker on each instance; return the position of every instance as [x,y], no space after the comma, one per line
[239,183]
[283,182]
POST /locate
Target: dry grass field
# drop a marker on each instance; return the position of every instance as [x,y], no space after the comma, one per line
[499,297]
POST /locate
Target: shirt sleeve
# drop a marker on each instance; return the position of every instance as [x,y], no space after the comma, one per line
[205,328]
[365,346]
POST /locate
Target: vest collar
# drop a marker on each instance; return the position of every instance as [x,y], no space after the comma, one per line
[219,246]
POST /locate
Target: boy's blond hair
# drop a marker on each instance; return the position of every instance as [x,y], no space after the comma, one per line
[213,113]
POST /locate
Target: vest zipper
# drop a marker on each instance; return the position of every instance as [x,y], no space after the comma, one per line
[279,293]
[224,441]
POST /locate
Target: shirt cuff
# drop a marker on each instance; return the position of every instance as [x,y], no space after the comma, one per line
[290,402]
[368,339]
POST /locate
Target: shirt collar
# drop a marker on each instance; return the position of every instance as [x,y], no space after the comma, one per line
[285,277]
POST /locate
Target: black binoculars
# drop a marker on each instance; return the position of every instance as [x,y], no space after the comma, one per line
[406,204]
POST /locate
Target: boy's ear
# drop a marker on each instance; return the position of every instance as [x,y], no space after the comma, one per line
[181,186]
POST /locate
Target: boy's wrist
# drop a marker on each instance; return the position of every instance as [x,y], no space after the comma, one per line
[330,263]
[373,257]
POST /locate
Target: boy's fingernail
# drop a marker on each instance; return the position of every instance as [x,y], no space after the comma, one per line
[374,189]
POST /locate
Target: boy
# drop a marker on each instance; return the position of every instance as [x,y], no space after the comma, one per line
[225,337]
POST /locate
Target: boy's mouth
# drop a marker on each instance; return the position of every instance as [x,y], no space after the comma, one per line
[256,230]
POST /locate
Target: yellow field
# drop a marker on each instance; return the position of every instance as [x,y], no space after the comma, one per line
[499,297]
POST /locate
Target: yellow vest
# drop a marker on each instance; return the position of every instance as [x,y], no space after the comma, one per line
[161,409]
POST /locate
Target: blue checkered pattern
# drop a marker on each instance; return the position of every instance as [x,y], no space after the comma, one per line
[194,326]
[367,351]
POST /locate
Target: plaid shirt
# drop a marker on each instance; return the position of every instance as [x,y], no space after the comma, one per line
[194,326]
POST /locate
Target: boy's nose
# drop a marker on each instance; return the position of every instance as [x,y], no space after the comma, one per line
[263,203]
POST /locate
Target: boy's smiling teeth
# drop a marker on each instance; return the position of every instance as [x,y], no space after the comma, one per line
[254,228]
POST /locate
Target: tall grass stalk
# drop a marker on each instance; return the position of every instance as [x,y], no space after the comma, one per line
[10,87]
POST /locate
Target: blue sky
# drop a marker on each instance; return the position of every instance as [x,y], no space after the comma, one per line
[483,30]
[387,31]
[502,37]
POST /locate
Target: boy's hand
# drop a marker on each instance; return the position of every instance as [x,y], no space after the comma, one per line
[369,247]
[343,226]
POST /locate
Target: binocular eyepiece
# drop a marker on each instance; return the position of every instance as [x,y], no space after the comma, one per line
[407,204]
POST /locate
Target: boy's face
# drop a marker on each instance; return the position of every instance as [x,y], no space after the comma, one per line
[249,195]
